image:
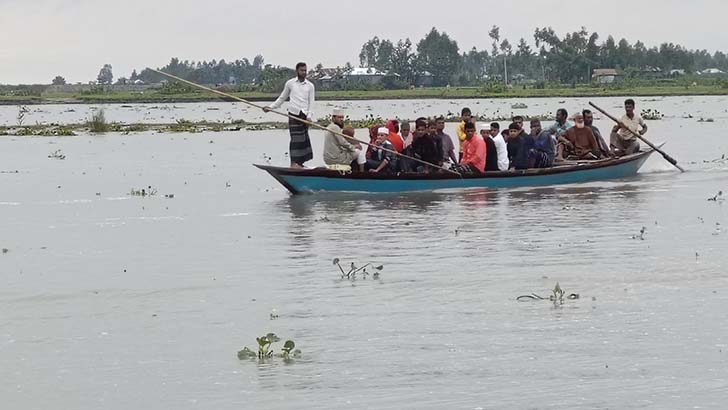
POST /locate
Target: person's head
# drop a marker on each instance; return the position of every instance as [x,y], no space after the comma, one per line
[393,126]
[420,127]
[432,127]
[535,127]
[301,71]
[382,134]
[494,128]
[405,129]
[513,130]
[579,120]
[629,106]
[337,117]
[588,118]
[348,131]
[469,130]
[466,114]
[373,131]
[561,115]
[440,123]
[485,130]
[518,120]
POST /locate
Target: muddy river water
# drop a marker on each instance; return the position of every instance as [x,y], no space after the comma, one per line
[115,301]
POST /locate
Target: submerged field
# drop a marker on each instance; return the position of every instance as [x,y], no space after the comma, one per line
[153,96]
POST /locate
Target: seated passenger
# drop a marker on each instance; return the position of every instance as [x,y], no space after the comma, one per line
[622,141]
[394,137]
[500,146]
[491,157]
[514,143]
[381,160]
[425,147]
[578,142]
[541,155]
[339,151]
[373,130]
[474,152]
[406,135]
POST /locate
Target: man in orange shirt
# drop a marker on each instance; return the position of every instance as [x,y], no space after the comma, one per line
[474,152]
[394,137]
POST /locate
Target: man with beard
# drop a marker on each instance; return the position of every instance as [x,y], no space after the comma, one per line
[339,151]
[300,93]
[589,122]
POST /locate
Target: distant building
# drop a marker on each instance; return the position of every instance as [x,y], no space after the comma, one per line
[649,72]
[368,75]
[606,75]
[712,71]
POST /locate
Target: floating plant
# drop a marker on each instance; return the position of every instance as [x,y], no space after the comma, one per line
[558,295]
[265,351]
[149,191]
[57,154]
[354,270]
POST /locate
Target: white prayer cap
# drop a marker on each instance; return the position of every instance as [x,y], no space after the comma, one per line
[338,112]
[383,131]
[485,127]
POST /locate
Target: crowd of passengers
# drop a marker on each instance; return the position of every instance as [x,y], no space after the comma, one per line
[481,148]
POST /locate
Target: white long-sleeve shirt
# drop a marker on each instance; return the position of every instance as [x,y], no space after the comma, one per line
[301,96]
[502,149]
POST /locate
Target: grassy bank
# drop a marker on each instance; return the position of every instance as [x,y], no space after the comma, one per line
[152,96]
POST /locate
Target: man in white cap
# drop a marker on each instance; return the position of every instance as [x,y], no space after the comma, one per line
[340,151]
[382,161]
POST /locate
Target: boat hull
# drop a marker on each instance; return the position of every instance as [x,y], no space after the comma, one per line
[322,180]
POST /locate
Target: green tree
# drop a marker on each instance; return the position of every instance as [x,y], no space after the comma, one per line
[384,55]
[106,76]
[274,78]
[403,61]
[439,55]
[59,80]
[368,54]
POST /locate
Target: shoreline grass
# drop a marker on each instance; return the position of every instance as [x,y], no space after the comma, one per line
[152,96]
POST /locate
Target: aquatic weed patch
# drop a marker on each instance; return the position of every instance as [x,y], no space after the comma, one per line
[265,349]
[558,296]
[354,270]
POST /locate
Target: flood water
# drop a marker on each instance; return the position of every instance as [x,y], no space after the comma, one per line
[113,301]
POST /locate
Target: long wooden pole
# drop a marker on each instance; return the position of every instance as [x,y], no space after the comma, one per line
[307,122]
[668,158]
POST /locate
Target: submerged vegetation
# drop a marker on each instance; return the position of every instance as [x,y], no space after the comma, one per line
[557,297]
[354,270]
[148,191]
[98,123]
[265,351]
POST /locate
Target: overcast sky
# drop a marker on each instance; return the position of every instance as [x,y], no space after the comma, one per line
[40,39]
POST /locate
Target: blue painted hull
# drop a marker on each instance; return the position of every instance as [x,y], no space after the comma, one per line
[319,180]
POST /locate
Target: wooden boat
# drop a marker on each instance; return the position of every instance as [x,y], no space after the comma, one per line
[299,181]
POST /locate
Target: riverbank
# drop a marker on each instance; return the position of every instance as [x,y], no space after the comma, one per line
[153,96]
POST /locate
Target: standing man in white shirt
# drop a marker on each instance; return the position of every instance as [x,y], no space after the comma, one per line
[622,141]
[300,93]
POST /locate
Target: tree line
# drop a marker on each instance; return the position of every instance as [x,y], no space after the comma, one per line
[570,59]
[567,59]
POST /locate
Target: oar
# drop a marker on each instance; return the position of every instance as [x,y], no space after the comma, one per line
[668,158]
[307,122]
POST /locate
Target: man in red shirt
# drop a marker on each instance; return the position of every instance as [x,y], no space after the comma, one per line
[474,152]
